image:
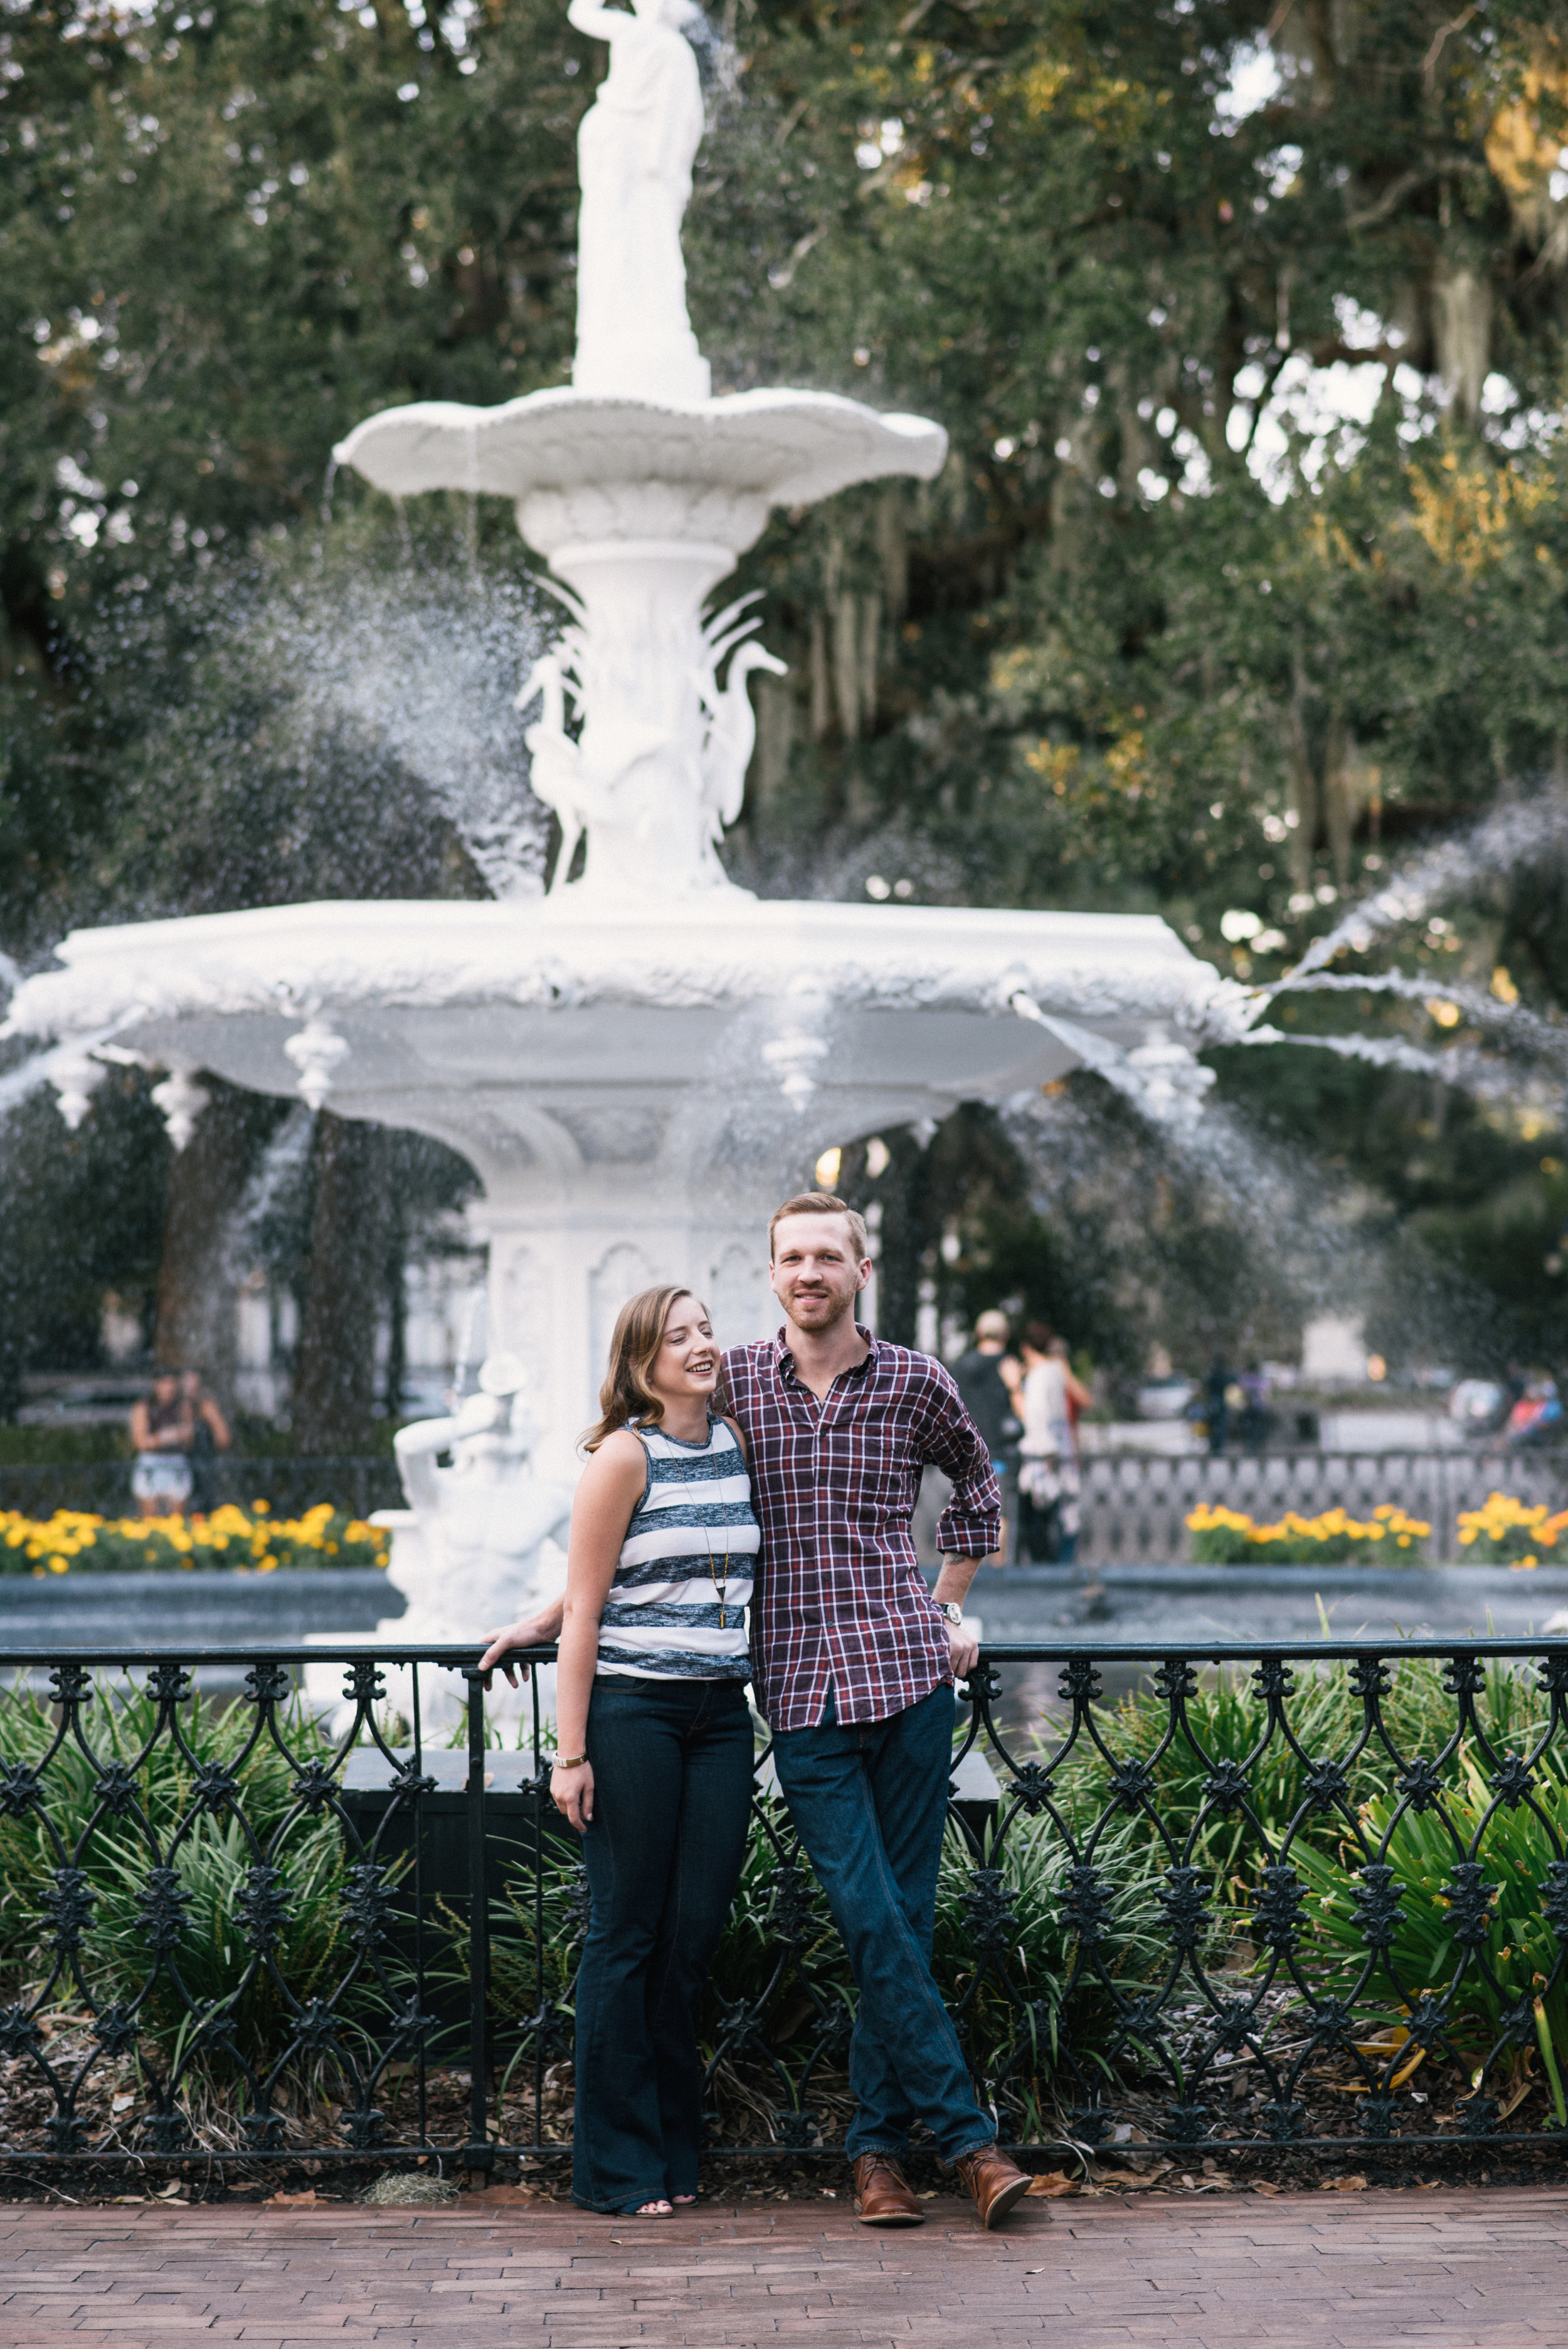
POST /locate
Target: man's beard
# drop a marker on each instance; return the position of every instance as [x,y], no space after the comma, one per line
[840,1309]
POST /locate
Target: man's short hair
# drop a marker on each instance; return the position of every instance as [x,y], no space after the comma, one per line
[822,1203]
[992,1324]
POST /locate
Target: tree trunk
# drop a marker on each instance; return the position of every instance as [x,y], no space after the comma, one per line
[197,1326]
[905,1194]
[335,1393]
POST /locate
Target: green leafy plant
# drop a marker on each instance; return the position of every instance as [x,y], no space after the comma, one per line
[96,1791]
[1223,1727]
[1007,1960]
[1474,1931]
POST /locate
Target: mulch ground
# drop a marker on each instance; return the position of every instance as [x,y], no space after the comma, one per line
[1472,2267]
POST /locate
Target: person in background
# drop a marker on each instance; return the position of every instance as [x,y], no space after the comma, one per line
[1079,1398]
[1254,1422]
[1216,1404]
[209,1436]
[1049,1481]
[982,1377]
[1537,1416]
[162,1428]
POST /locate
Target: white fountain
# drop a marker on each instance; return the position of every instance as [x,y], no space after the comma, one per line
[638,1062]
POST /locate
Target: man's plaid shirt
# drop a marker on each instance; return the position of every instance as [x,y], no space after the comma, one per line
[839,1598]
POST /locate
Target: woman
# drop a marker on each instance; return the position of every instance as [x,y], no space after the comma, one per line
[161,1429]
[1049,1473]
[654,1756]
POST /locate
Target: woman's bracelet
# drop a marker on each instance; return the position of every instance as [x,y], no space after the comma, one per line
[570,1760]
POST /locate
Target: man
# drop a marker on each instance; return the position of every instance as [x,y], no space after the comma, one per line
[986,1377]
[853,1668]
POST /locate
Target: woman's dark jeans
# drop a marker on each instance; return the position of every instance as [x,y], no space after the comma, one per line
[672,1791]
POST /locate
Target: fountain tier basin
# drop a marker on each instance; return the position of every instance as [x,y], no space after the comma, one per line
[635,1085]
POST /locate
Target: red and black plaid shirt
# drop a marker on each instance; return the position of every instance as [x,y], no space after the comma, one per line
[839,1598]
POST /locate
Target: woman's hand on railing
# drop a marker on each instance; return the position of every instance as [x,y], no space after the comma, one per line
[541,1630]
[571,1792]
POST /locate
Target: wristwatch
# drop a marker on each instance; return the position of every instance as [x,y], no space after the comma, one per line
[953,1612]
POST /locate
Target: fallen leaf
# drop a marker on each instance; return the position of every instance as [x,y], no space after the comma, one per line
[1138,2181]
[122,2104]
[1353,2184]
[1033,2271]
[1049,2184]
[290,2201]
[1263,2186]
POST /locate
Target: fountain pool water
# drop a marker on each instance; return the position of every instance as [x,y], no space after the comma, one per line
[638,1064]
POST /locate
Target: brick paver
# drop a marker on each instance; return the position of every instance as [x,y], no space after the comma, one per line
[1483,2268]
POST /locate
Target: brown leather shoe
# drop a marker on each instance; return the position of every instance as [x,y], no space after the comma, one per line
[882,2197]
[994,2182]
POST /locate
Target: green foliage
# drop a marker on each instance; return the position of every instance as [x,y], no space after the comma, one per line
[1509,1973]
[209,1851]
[1040,1995]
[1225,1721]
[807,1989]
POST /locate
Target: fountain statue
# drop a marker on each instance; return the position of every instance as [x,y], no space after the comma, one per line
[635,152]
[479,1544]
[638,1062]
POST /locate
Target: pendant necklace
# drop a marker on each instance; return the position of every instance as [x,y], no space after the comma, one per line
[721,1587]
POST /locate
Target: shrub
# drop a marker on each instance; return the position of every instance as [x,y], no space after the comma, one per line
[154,1814]
[1029,1997]
[1222,1536]
[257,1542]
[1474,1884]
[1223,1723]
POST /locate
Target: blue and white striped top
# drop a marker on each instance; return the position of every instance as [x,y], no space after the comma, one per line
[662,1617]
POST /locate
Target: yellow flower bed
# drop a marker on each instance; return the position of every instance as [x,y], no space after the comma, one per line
[253,1541]
[1505,1532]
[1222,1536]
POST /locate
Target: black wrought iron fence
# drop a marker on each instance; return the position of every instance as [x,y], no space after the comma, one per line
[1135,1506]
[1233,1901]
[288,1486]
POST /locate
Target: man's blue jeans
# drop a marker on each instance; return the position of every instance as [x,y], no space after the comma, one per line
[870,1803]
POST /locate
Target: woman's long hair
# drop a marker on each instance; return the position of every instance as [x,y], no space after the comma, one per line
[625,1399]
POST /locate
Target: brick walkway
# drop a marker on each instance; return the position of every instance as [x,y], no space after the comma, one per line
[1487,2267]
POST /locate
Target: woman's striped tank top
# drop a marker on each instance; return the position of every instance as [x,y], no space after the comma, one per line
[664,1619]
